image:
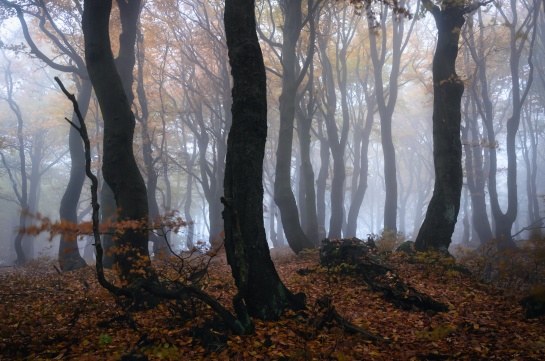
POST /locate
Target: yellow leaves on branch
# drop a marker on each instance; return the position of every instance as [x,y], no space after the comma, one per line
[169,222]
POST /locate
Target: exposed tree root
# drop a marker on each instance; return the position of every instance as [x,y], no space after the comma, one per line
[358,257]
[329,316]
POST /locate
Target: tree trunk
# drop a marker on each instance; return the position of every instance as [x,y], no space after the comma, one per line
[361,148]
[283,194]
[69,255]
[108,214]
[114,96]
[307,176]
[36,154]
[386,102]
[321,182]
[161,248]
[336,143]
[472,147]
[530,159]
[519,36]
[261,292]
[442,213]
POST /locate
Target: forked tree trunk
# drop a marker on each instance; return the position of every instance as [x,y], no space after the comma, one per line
[119,166]
[283,194]
[261,292]
[69,256]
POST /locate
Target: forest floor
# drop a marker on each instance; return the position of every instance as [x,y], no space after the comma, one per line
[48,315]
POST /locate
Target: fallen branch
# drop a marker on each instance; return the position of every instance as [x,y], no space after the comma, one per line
[531,227]
[155,289]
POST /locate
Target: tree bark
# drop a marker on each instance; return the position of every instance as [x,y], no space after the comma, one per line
[283,194]
[261,293]
[436,231]
[115,97]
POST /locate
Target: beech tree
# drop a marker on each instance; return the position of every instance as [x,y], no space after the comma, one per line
[113,87]
[27,153]
[438,226]
[386,96]
[22,194]
[337,137]
[66,49]
[291,79]
[201,94]
[259,286]
[363,124]
[474,162]
[522,33]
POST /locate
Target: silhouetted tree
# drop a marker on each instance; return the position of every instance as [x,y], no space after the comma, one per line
[436,231]
[112,81]
[261,293]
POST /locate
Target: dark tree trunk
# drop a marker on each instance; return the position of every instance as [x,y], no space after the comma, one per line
[261,292]
[436,231]
[108,214]
[283,194]
[69,255]
[115,97]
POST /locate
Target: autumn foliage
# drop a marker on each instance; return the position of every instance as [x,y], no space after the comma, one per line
[46,314]
[170,221]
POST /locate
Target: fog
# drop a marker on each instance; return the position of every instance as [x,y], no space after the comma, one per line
[183,121]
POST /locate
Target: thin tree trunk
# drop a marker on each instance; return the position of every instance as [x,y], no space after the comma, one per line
[360,187]
[386,101]
[69,255]
[321,182]
[336,143]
